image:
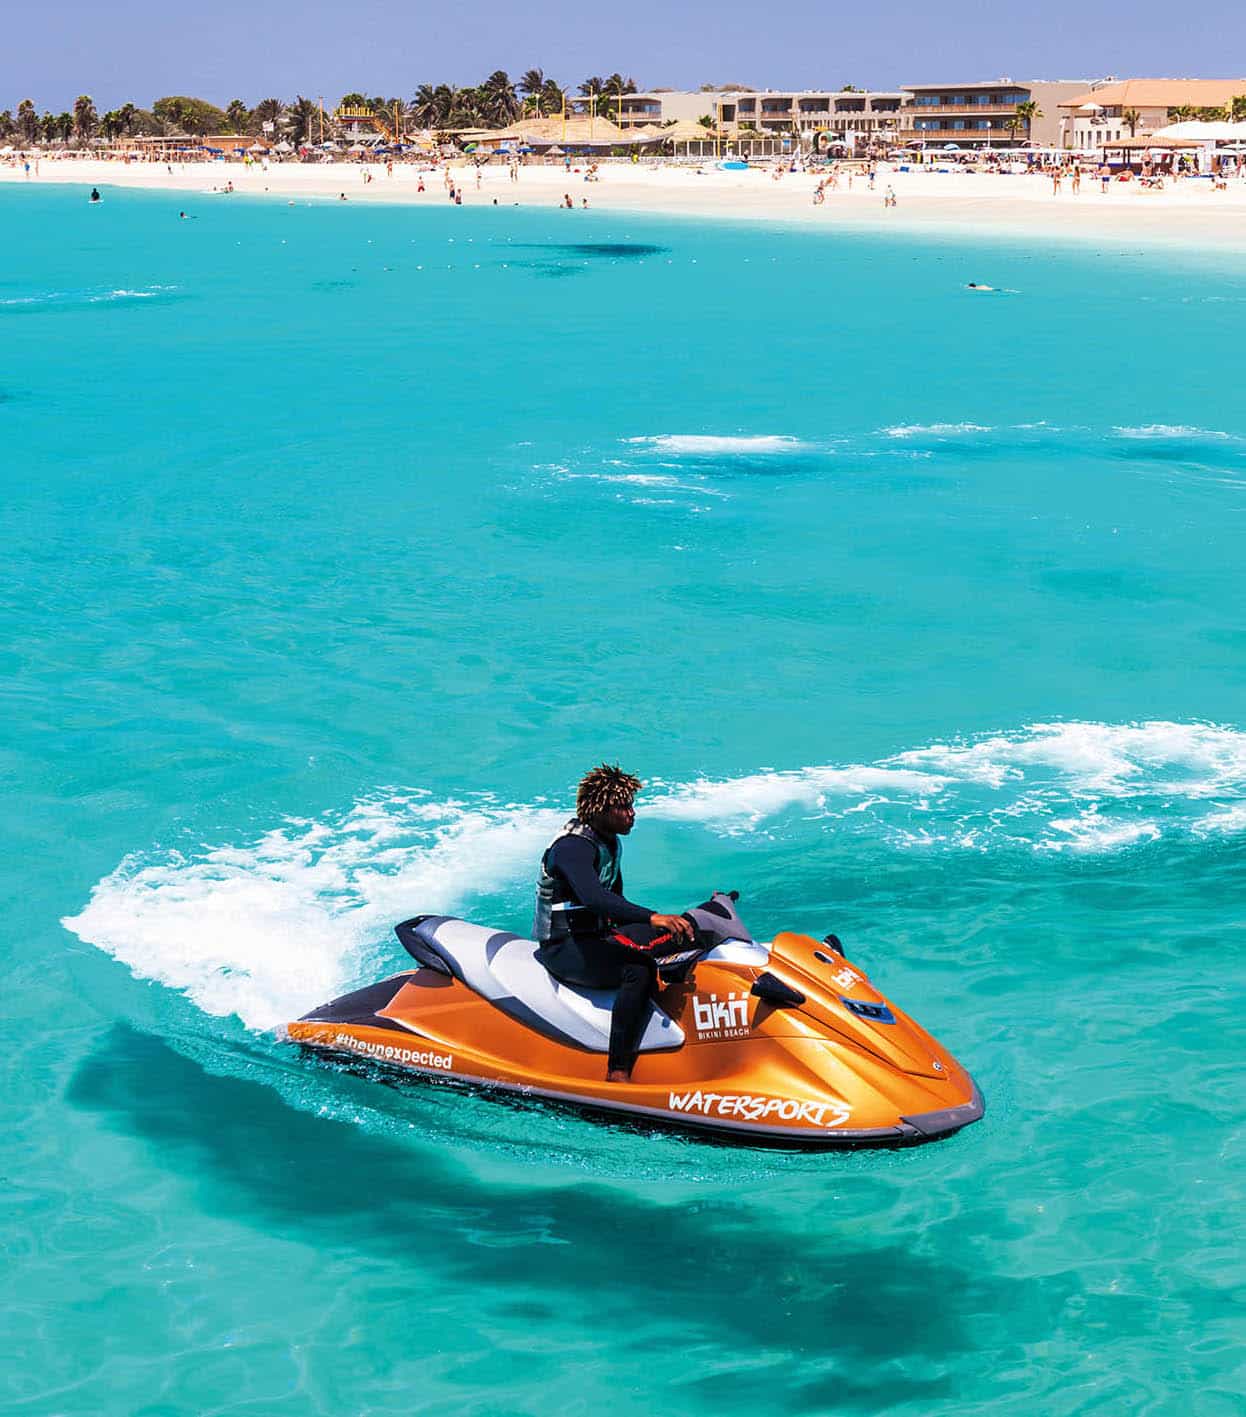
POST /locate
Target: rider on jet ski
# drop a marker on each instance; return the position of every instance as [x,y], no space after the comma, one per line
[590,935]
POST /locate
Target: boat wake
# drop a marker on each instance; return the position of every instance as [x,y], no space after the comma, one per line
[266,928]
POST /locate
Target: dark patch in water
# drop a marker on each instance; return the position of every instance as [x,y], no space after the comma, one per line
[824,1307]
[334,284]
[603,250]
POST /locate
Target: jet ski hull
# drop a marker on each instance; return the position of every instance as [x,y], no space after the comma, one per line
[844,1067]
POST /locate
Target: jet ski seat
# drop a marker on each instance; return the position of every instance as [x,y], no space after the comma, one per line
[503,968]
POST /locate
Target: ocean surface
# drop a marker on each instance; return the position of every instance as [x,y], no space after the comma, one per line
[339,541]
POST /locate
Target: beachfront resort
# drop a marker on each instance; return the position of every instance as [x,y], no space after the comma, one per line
[1117,122]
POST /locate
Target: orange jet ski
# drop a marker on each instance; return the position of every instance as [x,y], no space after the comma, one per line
[786,1042]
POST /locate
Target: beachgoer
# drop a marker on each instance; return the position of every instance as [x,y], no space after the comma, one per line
[478,179]
[95,194]
[889,196]
[584,203]
[974,285]
[567,202]
[458,196]
[589,933]
[419,186]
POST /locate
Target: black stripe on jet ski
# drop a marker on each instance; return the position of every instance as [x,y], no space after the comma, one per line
[362,1006]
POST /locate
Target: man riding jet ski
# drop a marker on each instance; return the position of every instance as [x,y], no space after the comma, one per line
[590,934]
[784,1042]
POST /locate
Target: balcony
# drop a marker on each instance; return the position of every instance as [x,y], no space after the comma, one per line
[958,110]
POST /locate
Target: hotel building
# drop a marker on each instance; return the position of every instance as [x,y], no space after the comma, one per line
[771,113]
[985,114]
[1097,114]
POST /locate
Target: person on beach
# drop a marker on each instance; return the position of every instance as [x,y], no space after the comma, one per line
[589,933]
[889,197]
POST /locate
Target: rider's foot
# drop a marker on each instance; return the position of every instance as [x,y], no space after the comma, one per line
[618,1075]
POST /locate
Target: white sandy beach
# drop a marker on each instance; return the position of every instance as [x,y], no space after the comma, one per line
[1188,212]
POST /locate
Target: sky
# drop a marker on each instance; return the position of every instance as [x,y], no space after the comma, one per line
[138,50]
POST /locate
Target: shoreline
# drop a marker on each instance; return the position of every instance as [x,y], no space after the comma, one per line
[1186,215]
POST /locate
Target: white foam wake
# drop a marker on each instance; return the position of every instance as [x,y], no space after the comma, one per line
[704,445]
[269,928]
[934,430]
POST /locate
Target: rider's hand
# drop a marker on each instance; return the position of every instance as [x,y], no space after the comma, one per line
[676,924]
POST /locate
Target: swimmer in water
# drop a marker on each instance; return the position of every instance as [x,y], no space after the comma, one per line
[973,285]
[95,194]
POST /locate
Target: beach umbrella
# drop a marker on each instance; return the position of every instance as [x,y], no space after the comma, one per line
[951,147]
[257,148]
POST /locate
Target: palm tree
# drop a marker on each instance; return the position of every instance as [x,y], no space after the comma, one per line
[612,94]
[27,120]
[532,86]
[268,110]
[1130,117]
[7,126]
[85,117]
[395,114]
[299,118]
[63,126]
[1182,113]
[126,115]
[47,127]
[1027,111]
[238,114]
[1013,124]
[553,97]
[592,87]
[431,105]
[499,103]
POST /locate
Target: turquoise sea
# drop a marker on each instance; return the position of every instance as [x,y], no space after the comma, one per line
[339,541]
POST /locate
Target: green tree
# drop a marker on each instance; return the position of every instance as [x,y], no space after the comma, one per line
[395,113]
[1182,113]
[353,100]
[499,104]
[27,120]
[1130,117]
[195,116]
[268,110]
[1237,108]
[85,118]
[1027,111]
[8,128]
[64,126]
[237,116]
[299,118]
[532,86]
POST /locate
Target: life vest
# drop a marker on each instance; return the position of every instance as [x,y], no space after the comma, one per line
[558,913]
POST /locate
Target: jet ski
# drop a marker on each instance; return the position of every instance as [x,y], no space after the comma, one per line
[784,1042]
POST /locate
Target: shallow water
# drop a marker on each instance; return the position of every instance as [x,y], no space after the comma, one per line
[338,542]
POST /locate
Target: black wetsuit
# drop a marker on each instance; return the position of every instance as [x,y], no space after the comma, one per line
[597,960]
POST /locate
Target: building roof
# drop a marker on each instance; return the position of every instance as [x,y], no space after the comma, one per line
[1160,93]
[977,84]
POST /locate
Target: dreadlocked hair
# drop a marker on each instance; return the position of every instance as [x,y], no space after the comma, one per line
[603,789]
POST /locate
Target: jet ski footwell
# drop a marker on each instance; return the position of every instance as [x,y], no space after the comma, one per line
[784,1043]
